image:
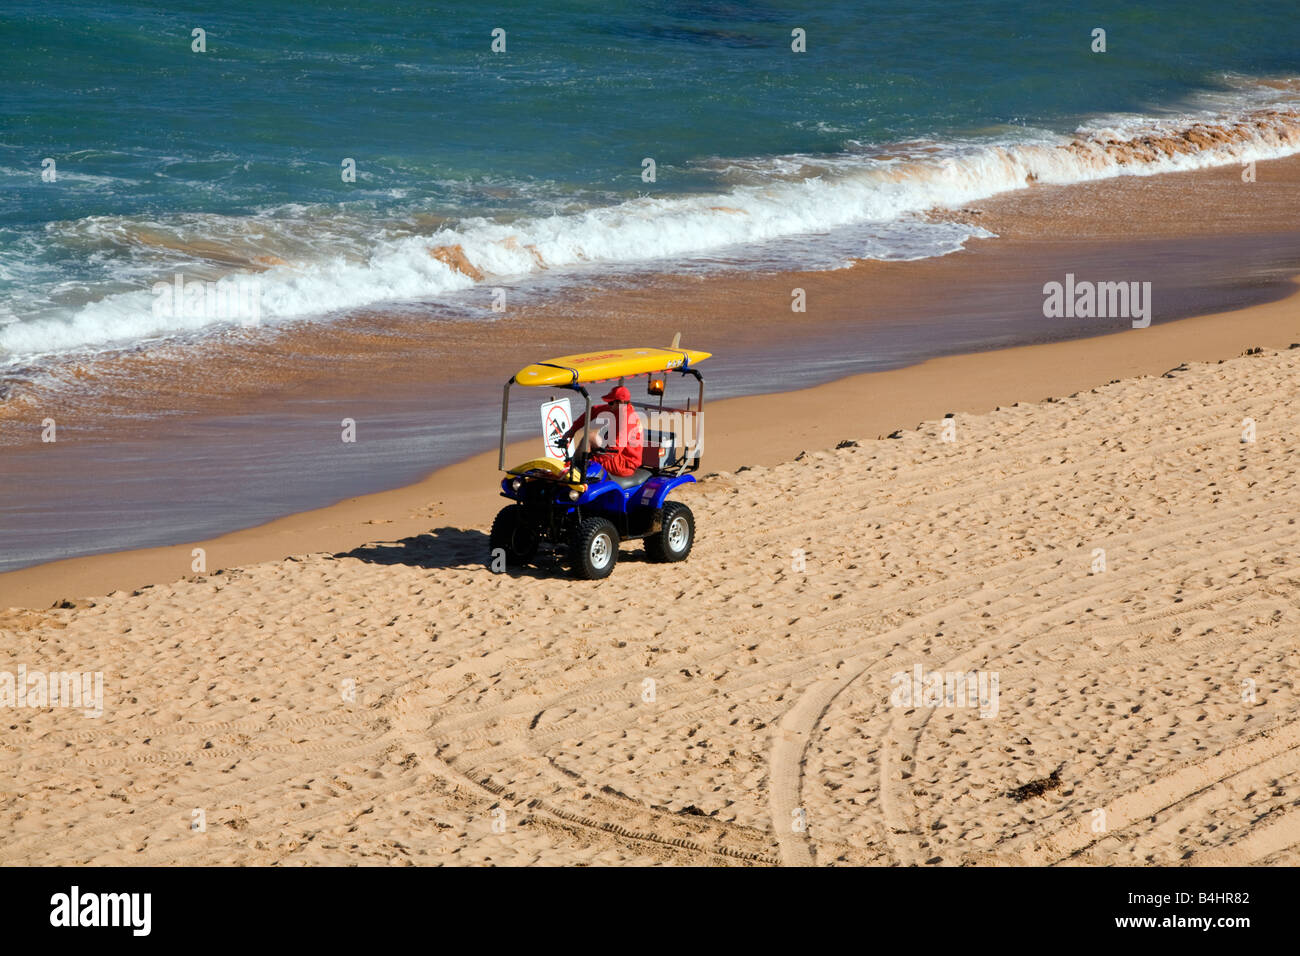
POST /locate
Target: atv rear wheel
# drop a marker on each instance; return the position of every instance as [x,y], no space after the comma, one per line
[513,534]
[676,535]
[594,549]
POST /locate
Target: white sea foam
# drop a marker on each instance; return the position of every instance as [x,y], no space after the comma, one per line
[858,204]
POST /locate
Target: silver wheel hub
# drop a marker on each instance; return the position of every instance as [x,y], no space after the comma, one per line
[678,534]
[600,551]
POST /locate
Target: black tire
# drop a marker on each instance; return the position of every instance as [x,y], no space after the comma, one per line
[594,549]
[676,535]
[513,534]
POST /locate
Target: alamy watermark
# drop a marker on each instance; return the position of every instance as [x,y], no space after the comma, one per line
[1098,300]
[74,908]
[78,689]
[230,299]
[974,689]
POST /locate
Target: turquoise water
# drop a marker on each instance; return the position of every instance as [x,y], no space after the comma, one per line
[228,161]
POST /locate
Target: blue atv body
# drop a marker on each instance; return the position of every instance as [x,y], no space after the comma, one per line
[584,522]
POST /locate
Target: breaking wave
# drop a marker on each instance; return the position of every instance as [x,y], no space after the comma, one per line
[785,212]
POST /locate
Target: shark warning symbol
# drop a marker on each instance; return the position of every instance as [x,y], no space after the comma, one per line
[557,419]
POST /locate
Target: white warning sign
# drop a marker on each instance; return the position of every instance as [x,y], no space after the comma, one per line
[557,419]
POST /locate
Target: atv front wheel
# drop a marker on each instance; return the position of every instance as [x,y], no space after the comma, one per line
[513,534]
[594,551]
[676,534]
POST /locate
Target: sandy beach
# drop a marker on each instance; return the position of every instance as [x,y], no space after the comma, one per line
[1104,542]
[972,585]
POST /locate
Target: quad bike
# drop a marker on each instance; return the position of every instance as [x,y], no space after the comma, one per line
[566,506]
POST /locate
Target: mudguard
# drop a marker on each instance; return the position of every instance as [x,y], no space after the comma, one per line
[654,492]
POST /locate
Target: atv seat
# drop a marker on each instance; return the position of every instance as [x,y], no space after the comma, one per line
[634,480]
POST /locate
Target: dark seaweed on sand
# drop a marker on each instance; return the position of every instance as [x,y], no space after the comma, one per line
[1036,788]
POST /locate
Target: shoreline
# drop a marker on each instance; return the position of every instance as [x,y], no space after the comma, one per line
[244,434]
[217,461]
[757,430]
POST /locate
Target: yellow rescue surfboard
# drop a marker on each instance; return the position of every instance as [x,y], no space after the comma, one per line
[605,365]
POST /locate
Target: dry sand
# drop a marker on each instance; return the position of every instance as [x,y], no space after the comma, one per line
[510,719]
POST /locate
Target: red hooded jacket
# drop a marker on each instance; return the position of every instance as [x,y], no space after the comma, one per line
[622,455]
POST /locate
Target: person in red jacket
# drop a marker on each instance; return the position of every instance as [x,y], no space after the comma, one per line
[621,443]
